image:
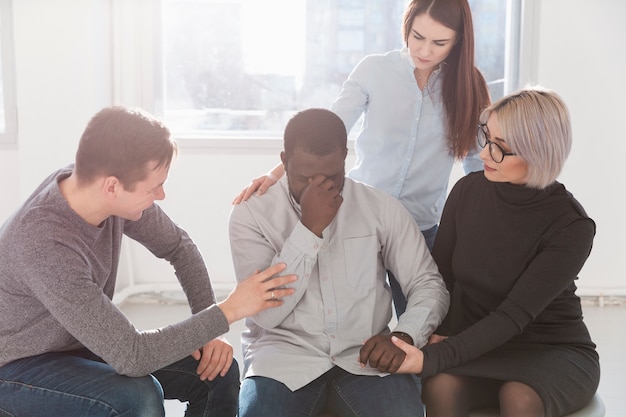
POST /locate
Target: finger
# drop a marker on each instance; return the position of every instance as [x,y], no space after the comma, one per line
[404,346]
[248,193]
[329,185]
[252,188]
[205,360]
[375,358]
[280,293]
[435,338]
[317,180]
[276,299]
[387,361]
[266,183]
[277,288]
[217,365]
[210,370]
[396,363]
[271,271]
[196,354]
[365,352]
[279,281]
[322,182]
[213,361]
[229,363]
[239,198]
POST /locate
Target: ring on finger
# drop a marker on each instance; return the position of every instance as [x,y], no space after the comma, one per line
[273,297]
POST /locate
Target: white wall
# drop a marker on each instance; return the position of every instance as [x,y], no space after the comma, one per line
[582,56]
[9,187]
[64,75]
[63,61]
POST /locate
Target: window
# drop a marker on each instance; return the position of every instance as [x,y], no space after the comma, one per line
[241,68]
[8,113]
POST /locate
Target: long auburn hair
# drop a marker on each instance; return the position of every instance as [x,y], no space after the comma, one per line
[465,93]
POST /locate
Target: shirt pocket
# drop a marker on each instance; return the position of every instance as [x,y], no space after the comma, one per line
[362,258]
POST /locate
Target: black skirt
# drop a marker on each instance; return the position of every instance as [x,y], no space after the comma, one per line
[565,377]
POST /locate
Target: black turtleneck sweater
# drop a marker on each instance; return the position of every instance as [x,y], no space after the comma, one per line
[509,255]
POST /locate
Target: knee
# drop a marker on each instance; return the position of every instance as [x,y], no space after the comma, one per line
[231,378]
[142,397]
[222,393]
[227,387]
[444,395]
[261,396]
[518,399]
[442,386]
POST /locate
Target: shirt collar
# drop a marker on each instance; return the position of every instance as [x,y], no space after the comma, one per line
[294,203]
[404,52]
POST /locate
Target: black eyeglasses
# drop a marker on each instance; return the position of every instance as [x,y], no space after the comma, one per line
[495,151]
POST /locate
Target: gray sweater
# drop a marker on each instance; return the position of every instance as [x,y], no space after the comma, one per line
[57,278]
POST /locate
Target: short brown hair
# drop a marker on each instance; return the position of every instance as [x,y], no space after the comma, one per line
[120,141]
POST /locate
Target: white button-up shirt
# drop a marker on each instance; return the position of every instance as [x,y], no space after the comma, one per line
[342,297]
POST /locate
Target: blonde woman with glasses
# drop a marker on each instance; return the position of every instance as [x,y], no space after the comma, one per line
[510,245]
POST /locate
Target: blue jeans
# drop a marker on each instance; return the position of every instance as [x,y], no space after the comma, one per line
[399,300]
[80,384]
[345,394]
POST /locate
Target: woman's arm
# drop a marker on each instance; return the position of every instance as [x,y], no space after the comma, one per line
[547,276]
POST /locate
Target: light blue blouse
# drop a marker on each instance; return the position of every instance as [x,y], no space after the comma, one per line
[401,147]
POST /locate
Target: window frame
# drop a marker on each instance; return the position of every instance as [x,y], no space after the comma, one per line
[139,75]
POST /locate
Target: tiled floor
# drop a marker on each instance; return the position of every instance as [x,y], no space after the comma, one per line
[606,325]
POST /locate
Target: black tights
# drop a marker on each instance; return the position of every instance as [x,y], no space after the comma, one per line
[453,396]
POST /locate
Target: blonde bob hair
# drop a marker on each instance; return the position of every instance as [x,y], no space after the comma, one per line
[535,123]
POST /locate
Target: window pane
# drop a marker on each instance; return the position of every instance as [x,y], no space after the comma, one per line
[241,68]
[490,31]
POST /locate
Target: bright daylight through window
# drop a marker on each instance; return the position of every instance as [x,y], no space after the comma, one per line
[241,68]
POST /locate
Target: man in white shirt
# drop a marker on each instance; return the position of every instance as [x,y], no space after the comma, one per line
[329,345]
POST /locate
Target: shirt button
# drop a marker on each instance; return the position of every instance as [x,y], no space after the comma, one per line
[316,246]
[330,311]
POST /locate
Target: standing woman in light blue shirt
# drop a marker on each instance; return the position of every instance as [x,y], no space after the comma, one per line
[421,106]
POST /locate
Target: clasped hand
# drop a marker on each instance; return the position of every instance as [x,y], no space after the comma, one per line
[381,353]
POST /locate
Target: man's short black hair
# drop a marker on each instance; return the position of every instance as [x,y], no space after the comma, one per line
[316,131]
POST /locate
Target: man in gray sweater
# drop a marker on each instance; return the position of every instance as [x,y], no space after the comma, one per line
[65,348]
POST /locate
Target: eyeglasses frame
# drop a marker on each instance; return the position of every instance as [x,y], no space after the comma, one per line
[484,132]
